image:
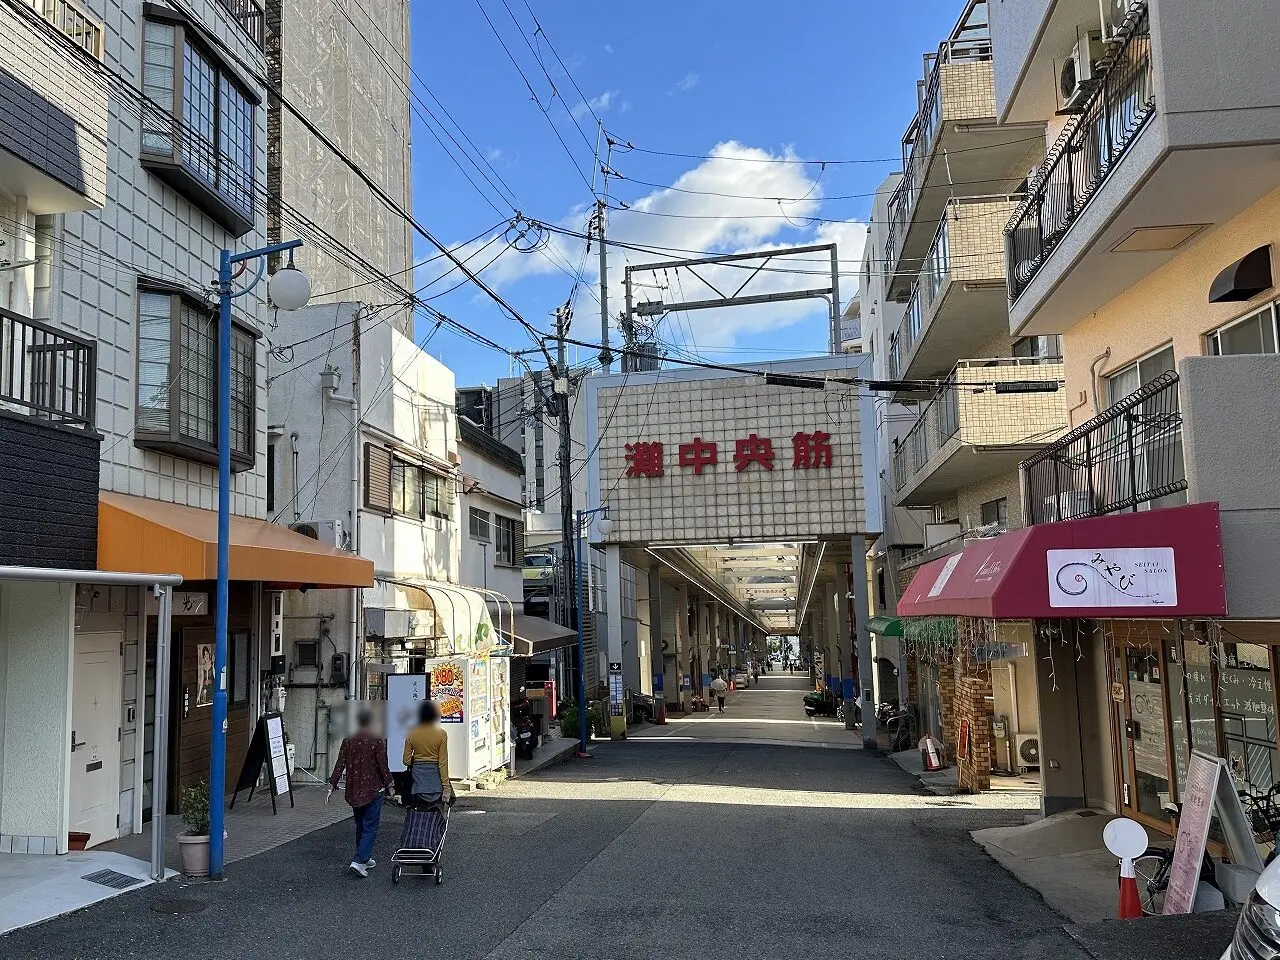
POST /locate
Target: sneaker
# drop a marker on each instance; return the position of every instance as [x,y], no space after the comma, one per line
[370,863]
[359,868]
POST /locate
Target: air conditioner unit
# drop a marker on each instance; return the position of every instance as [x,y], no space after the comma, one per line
[1079,75]
[329,532]
[1067,506]
[1027,747]
[1119,12]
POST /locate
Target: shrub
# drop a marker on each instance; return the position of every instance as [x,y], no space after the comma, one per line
[193,807]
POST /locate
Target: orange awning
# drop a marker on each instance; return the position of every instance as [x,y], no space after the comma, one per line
[138,534]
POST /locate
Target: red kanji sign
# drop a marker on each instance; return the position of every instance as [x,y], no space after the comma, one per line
[754,449]
[644,459]
[698,455]
[811,450]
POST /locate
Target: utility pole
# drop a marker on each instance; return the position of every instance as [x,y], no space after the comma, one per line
[606,355]
[560,389]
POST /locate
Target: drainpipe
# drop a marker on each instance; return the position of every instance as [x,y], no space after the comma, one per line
[297,490]
[1093,377]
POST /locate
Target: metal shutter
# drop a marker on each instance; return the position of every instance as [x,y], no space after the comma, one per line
[377,477]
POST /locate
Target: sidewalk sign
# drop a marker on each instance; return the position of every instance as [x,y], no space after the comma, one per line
[1209,790]
[266,749]
[616,691]
[405,692]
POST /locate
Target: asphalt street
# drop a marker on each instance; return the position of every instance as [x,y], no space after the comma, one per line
[676,848]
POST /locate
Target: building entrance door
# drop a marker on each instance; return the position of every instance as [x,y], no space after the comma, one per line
[1143,722]
[95,736]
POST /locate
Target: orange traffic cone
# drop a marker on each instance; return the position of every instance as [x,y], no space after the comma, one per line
[1130,907]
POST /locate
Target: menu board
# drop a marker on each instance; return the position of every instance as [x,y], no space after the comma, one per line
[267,752]
[276,751]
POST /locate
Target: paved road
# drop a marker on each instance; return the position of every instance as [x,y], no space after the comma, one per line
[667,849]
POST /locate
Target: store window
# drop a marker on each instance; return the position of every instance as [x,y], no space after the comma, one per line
[177,410]
[1248,708]
[1147,731]
[197,122]
[1255,333]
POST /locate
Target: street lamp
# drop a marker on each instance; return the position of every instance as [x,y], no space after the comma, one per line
[289,289]
[604,525]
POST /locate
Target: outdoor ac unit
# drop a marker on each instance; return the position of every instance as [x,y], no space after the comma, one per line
[1028,750]
[1072,504]
[329,532]
[1079,70]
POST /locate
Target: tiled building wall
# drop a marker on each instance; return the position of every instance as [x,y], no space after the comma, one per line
[968,91]
[971,498]
[755,503]
[975,233]
[147,229]
[990,418]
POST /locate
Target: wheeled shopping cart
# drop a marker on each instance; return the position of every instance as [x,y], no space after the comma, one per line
[421,842]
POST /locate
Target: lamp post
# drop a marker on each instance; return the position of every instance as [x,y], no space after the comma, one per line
[604,525]
[289,289]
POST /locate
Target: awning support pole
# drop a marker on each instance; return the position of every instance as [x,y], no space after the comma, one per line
[160,736]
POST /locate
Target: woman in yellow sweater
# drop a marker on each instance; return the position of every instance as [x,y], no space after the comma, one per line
[426,756]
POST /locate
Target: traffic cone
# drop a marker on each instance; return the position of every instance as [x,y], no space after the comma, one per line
[1130,907]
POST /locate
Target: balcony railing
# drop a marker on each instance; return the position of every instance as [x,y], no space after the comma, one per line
[971,43]
[1128,455]
[75,22]
[46,374]
[251,18]
[1090,147]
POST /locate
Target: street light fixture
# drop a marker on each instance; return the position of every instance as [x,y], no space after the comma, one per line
[289,290]
[604,526]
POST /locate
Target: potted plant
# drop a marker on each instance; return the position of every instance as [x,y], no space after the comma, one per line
[193,807]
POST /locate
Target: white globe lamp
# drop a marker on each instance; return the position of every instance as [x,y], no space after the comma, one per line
[289,289]
[604,526]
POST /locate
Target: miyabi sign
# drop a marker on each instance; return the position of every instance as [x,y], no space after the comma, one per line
[809,451]
[1112,577]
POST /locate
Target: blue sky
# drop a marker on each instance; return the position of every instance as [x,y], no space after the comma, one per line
[757,79]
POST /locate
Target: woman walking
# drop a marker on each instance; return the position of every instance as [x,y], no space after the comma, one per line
[426,757]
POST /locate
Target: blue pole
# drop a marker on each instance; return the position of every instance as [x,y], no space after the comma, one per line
[218,748]
[583,738]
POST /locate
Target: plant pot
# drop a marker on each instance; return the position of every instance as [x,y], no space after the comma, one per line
[77,841]
[195,854]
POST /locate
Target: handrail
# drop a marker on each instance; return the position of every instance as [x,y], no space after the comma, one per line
[251,18]
[1088,149]
[46,373]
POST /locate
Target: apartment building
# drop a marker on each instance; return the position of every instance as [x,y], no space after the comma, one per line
[121,178]
[982,400]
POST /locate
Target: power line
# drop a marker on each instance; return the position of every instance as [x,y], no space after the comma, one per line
[628,146]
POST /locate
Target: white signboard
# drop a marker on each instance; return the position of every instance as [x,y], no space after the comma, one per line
[1112,577]
[276,754]
[405,691]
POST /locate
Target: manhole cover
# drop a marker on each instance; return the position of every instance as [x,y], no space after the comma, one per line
[178,908]
[113,879]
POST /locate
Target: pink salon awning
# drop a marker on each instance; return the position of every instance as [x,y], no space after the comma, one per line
[1152,564]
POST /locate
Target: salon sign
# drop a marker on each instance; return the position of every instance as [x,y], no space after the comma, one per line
[1112,577]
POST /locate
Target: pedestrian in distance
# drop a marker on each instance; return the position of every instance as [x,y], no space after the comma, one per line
[363,758]
[719,688]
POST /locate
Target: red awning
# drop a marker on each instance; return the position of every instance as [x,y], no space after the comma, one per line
[1157,563]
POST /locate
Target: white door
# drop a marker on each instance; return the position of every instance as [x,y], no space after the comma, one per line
[95,736]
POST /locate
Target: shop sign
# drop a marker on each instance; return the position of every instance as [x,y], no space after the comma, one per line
[809,451]
[1117,692]
[449,689]
[186,603]
[1112,577]
[615,689]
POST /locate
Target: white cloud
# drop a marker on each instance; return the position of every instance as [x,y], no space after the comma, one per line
[689,81]
[599,104]
[624,106]
[494,155]
[725,204]
[608,48]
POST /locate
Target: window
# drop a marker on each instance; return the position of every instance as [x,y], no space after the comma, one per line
[508,541]
[271,477]
[996,511]
[393,485]
[1136,375]
[1255,333]
[177,397]
[1050,346]
[480,524]
[1148,444]
[198,123]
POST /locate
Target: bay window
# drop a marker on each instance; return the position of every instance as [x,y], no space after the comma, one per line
[198,121]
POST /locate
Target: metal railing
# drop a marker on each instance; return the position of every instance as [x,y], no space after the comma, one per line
[46,374]
[1129,454]
[1090,147]
[939,422]
[251,18]
[922,135]
[76,23]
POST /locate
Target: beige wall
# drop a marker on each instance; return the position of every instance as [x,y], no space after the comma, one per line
[968,91]
[976,240]
[969,500]
[1170,304]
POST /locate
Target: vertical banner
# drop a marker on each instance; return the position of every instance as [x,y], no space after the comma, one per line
[615,689]
[405,692]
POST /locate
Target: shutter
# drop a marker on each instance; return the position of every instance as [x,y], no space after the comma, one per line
[448,495]
[517,543]
[377,478]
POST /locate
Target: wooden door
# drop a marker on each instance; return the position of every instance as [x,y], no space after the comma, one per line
[192,702]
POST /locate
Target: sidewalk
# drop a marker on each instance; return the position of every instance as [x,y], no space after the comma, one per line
[36,887]
[551,752]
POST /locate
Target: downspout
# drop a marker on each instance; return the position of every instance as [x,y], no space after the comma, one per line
[1093,377]
[297,490]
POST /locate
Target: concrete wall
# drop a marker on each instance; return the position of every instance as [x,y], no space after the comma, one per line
[1168,306]
[1230,440]
[1015,28]
[36,628]
[479,566]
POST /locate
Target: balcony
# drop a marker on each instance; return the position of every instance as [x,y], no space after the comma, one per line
[957,306]
[952,141]
[995,412]
[1129,457]
[1153,157]
[53,106]
[250,17]
[48,446]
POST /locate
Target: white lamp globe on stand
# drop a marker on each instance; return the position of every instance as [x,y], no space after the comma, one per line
[604,526]
[289,289]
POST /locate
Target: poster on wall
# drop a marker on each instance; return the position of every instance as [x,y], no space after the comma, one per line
[1112,577]
[204,675]
[449,689]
